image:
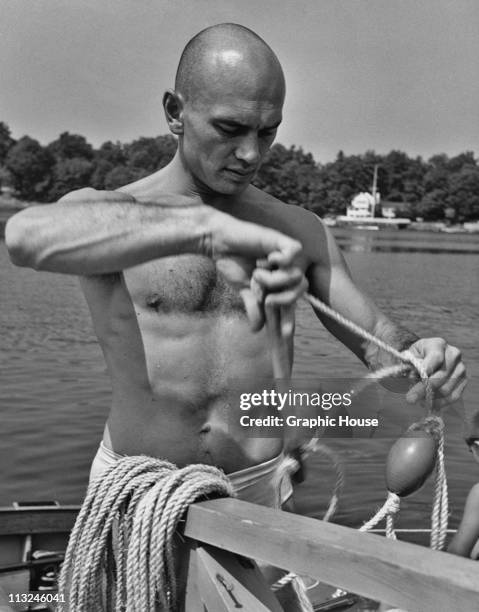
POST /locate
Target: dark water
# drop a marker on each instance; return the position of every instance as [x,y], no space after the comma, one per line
[55,392]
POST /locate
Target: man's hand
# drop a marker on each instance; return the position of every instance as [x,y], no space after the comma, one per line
[262,289]
[445,368]
[263,264]
[279,289]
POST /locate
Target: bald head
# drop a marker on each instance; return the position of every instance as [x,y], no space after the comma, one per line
[226,59]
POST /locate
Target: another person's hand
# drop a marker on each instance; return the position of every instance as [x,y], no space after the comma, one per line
[445,368]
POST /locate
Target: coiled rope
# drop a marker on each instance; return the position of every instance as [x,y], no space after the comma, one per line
[143,499]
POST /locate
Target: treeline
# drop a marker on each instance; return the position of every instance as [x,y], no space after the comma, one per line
[440,188]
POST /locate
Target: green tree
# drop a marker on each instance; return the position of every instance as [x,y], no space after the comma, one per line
[6,141]
[436,173]
[69,146]
[74,164]
[433,205]
[414,181]
[122,175]
[341,179]
[112,152]
[395,165]
[451,183]
[150,154]
[109,156]
[457,163]
[102,169]
[70,174]
[463,193]
[290,175]
[30,166]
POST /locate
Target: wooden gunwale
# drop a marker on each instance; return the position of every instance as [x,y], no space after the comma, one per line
[400,573]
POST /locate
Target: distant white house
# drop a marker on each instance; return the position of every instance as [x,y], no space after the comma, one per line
[363,206]
[366,212]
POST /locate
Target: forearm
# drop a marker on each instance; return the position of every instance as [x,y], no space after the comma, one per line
[347,300]
[394,335]
[92,237]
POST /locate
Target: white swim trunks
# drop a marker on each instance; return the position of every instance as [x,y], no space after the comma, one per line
[256,484]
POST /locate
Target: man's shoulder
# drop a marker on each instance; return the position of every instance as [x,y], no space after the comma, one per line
[88,194]
[294,220]
[272,204]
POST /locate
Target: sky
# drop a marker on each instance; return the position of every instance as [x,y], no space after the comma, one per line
[361,74]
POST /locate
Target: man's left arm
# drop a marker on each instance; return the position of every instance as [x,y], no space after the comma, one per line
[330,281]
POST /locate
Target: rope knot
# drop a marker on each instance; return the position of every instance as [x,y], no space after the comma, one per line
[432,425]
[393,503]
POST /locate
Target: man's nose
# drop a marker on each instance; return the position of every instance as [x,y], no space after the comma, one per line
[248,150]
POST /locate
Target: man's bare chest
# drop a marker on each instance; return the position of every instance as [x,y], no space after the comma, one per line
[184,283]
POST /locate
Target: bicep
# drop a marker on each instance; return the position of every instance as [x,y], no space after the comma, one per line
[330,280]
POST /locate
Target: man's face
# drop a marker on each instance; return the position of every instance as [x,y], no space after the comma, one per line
[225,141]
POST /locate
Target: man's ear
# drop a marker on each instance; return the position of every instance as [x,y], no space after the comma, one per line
[173,106]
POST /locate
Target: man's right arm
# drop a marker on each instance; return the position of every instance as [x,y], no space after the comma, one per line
[90,232]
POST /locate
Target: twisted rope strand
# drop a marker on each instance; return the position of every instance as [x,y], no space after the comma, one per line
[124,499]
[360,331]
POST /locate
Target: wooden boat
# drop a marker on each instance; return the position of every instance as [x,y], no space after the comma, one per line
[33,539]
[222,532]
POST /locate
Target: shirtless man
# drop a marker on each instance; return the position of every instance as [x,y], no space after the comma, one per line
[166,265]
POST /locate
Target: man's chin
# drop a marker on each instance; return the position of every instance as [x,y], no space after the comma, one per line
[230,188]
[225,186]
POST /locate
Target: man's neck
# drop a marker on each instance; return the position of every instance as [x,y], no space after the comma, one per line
[182,181]
[176,179]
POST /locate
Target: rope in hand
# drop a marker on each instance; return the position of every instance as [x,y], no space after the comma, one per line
[432,421]
[142,499]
